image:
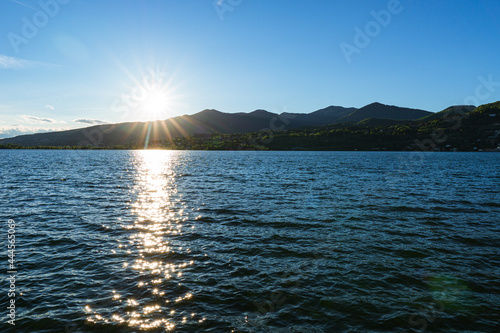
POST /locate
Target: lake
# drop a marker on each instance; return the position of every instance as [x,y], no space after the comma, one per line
[198,241]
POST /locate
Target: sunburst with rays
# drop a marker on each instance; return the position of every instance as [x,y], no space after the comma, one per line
[152,101]
[155,102]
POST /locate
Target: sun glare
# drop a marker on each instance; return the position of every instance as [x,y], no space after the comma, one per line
[154,96]
[155,105]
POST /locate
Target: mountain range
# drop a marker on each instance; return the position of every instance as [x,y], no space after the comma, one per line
[213,121]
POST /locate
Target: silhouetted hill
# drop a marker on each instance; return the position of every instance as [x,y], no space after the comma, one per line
[261,114]
[382,111]
[492,110]
[325,116]
[477,130]
[450,130]
[373,122]
[204,122]
[211,121]
[451,111]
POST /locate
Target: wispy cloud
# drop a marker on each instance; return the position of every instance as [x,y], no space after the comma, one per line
[33,119]
[23,4]
[90,121]
[80,109]
[11,62]
[12,132]
[15,130]
[48,106]
[7,62]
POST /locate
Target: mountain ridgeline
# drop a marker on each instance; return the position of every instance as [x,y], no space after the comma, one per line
[209,122]
[373,127]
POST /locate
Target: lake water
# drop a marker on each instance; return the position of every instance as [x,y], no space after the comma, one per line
[186,241]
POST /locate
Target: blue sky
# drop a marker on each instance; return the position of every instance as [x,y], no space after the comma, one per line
[72,63]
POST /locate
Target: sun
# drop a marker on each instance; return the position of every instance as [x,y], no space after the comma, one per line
[152,96]
[155,105]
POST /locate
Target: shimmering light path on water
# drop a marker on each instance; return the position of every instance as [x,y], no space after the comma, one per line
[132,241]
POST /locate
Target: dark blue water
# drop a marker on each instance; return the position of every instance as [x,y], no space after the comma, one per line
[132,241]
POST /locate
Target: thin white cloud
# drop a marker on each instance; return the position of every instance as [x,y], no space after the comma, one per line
[7,62]
[48,106]
[15,130]
[23,4]
[79,109]
[10,133]
[11,62]
[90,121]
[37,120]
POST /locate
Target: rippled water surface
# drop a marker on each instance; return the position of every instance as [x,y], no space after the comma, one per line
[160,241]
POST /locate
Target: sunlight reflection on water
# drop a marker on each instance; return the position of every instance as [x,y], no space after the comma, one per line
[158,215]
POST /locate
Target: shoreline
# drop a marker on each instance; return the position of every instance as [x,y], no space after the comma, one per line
[243,150]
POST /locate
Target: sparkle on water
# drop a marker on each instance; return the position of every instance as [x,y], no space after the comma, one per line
[148,240]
